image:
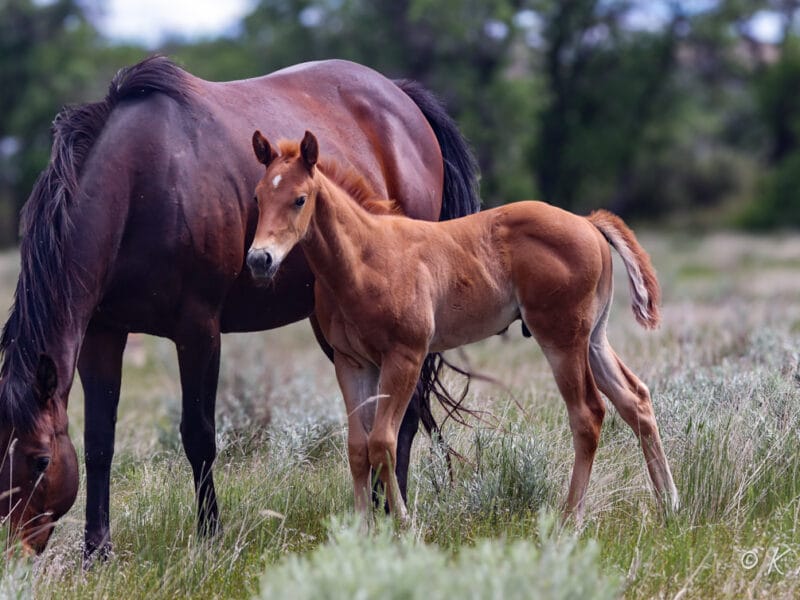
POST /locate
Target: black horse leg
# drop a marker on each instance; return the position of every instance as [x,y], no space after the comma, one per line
[100,368]
[198,360]
[405,438]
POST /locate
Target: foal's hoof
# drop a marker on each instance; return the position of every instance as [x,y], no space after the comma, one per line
[670,507]
[403,521]
[572,517]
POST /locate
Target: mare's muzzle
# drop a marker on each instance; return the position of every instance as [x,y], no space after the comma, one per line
[261,263]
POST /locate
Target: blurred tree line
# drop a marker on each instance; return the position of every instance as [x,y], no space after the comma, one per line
[654,108]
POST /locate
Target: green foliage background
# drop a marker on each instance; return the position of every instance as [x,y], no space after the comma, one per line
[665,110]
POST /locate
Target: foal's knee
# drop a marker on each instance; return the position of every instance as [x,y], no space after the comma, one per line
[382,452]
[359,458]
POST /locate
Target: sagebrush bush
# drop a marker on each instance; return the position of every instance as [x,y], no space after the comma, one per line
[510,473]
[16,580]
[352,565]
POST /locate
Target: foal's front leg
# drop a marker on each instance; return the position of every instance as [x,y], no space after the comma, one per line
[398,379]
[359,384]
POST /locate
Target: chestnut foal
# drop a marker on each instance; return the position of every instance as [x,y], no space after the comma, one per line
[390,289]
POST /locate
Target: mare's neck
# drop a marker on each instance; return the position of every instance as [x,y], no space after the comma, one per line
[338,230]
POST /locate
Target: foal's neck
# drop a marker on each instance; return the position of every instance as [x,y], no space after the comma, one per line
[338,231]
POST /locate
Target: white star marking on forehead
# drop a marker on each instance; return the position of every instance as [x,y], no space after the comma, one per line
[276,181]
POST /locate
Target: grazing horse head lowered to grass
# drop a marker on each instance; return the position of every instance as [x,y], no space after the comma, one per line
[38,465]
[458,282]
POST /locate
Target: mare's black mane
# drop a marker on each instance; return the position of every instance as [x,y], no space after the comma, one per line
[44,296]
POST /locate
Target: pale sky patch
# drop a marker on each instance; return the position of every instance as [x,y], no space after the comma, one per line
[149,22]
[766,26]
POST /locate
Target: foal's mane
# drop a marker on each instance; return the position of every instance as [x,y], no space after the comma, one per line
[350,180]
[48,279]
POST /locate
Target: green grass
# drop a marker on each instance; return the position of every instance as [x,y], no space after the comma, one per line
[724,371]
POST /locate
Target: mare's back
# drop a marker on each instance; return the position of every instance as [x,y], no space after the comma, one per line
[170,180]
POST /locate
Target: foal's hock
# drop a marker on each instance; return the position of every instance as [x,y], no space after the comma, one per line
[457,282]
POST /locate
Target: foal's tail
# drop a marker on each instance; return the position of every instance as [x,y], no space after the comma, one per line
[645,291]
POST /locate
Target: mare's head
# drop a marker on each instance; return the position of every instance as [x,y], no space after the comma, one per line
[286,196]
[38,466]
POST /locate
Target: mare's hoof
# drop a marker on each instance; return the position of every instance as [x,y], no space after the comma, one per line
[209,529]
[96,552]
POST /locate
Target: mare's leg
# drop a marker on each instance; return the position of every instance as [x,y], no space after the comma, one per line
[586,410]
[398,380]
[100,369]
[198,342]
[632,399]
[405,439]
[359,386]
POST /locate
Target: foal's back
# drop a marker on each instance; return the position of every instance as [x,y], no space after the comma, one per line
[480,273]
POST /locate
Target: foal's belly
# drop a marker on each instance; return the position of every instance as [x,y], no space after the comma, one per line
[457,326]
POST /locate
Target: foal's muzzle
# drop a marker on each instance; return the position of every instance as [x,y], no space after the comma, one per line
[261,263]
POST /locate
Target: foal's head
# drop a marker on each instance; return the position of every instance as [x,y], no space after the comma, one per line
[285,195]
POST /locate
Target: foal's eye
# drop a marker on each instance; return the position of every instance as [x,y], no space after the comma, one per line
[299,201]
[40,463]
[255,199]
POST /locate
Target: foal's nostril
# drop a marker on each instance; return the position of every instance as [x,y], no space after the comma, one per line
[259,261]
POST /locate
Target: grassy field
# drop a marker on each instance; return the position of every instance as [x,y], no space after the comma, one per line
[724,371]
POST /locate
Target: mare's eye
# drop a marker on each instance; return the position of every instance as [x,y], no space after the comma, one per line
[40,463]
[255,199]
[299,201]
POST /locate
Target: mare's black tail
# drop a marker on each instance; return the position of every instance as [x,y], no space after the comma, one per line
[460,192]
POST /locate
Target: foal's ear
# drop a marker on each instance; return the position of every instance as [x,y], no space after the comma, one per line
[46,379]
[263,150]
[309,150]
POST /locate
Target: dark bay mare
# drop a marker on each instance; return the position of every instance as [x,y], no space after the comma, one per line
[141,223]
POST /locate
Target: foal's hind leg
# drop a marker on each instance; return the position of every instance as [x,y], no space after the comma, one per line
[632,399]
[586,410]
